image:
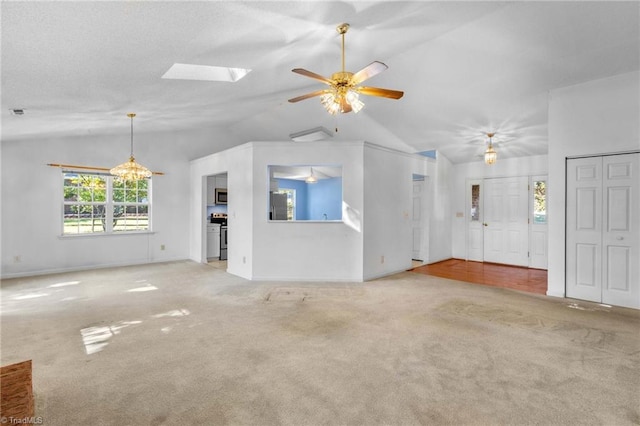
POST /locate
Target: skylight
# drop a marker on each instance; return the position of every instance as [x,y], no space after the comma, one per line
[205,73]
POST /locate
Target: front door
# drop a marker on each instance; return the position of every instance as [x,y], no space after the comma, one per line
[506,215]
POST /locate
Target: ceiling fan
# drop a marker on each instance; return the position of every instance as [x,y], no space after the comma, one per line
[344,90]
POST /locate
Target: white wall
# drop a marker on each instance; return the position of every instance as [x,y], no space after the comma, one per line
[263,250]
[441,198]
[510,167]
[376,187]
[32,201]
[388,204]
[598,117]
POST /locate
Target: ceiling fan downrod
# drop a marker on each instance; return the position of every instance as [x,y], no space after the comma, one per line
[342,30]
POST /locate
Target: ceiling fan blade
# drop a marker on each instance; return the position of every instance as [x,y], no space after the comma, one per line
[367,72]
[376,91]
[313,75]
[307,96]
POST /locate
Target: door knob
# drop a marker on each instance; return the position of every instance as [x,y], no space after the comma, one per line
[485,224]
[619,238]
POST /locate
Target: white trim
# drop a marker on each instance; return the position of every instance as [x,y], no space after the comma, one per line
[88,268]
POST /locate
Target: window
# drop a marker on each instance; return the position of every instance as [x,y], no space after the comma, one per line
[305,192]
[540,202]
[291,201]
[475,202]
[100,204]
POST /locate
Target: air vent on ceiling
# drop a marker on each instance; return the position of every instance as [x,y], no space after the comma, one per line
[319,133]
[17,111]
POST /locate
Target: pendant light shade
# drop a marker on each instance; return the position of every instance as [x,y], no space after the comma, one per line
[131,171]
[490,155]
[311,178]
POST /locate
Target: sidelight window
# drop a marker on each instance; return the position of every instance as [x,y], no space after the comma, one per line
[540,202]
[475,202]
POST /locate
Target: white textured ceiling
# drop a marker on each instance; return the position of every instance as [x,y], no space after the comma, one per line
[466,67]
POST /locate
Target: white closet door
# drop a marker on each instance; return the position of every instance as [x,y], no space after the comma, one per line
[621,233]
[584,229]
[506,214]
[603,228]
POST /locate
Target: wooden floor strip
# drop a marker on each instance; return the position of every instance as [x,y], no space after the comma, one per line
[505,276]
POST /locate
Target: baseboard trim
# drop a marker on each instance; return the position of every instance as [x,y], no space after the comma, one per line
[86,268]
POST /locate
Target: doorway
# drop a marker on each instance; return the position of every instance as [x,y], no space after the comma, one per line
[507,221]
[419,220]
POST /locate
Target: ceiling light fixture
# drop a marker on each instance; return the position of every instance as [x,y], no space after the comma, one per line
[311,178]
[490,155]
[311,135]
[343,94]
[131,171]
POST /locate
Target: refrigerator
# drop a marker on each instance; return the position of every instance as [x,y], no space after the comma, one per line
[278,206]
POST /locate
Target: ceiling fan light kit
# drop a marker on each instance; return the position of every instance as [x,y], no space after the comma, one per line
[490,155]
[343,94]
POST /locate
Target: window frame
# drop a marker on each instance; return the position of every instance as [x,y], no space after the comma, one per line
[109,206]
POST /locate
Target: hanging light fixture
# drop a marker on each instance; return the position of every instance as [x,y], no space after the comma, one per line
[311,178]
[490,155]
[131,171]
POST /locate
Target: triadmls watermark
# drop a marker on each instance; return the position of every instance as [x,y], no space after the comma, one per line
[21,420]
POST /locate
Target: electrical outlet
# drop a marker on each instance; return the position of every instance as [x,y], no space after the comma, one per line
[381,259]
[244,259]
[161,246]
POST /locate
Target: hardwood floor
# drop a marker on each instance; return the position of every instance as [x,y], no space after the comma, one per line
[514,277]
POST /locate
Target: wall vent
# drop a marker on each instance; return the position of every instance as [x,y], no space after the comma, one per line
[17,111]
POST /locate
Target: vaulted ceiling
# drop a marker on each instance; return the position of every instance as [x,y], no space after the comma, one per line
[466,68]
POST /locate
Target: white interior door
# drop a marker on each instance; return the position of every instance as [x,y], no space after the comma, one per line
[420,218]
[603,256]
[584,229]
[506,214]
[475,228]
[621,230]
[417,220]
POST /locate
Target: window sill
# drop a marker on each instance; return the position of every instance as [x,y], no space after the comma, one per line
[305,221]
[103,235]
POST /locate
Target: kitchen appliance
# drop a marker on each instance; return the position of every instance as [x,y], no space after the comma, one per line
[221,196]
[213,240]
[278,206]
[222,220]
[223,242]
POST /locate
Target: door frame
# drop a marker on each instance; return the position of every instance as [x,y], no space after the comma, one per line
[469,182]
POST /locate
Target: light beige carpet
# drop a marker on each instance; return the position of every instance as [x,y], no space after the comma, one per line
[185,343]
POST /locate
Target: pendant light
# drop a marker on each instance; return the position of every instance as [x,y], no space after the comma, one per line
[131,171]
[490,155]
[311,178]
